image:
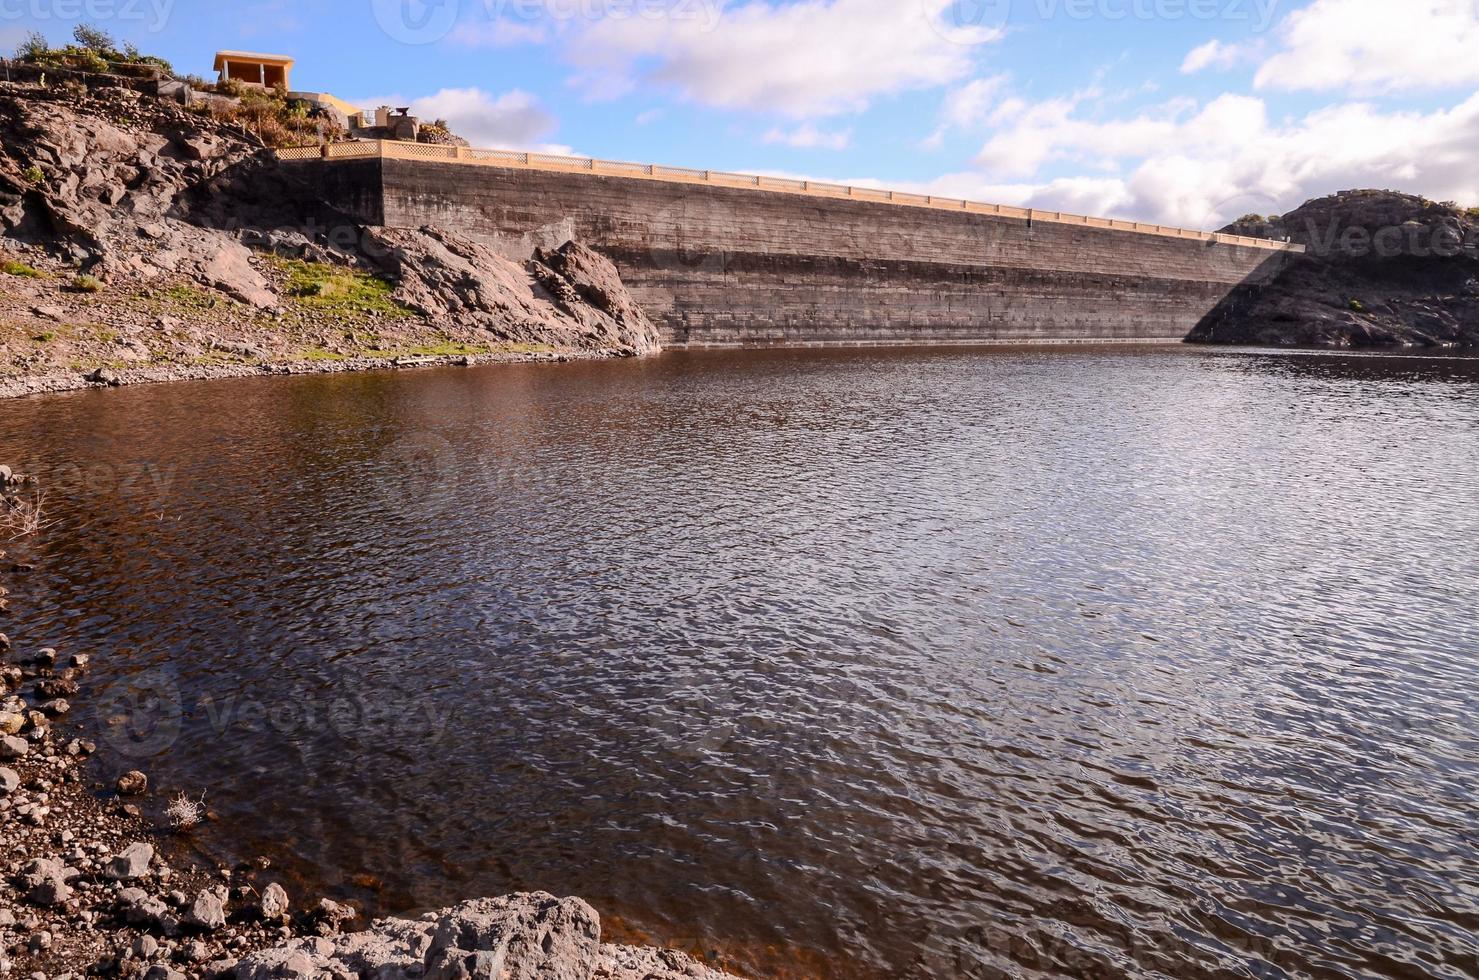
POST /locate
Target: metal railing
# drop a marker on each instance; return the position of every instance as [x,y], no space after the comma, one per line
[394,150]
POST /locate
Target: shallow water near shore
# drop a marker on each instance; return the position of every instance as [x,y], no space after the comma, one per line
[1092,662]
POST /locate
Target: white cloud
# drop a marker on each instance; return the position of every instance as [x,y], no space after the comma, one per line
[1215,54]
[803,58]
[1194,165]
[514,120]
[648,117]
[970,105]
[1376,46]
[808,137]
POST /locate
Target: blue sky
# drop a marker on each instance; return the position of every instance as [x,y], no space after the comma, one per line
[1182,111]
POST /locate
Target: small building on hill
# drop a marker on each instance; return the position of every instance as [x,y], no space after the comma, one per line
[258,70]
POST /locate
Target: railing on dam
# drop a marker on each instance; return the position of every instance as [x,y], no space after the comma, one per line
[393,150]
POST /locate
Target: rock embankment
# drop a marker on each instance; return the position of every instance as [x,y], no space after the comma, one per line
[1381,269]
[144,240]
[516,937]
[90,886]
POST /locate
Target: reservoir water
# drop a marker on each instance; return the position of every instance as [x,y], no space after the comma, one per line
[889,663]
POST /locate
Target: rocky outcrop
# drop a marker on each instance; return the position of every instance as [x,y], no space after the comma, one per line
[1381,269]
[571,297]
[136,234]
[516,937]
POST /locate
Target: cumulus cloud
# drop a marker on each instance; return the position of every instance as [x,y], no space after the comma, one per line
[1376,46]
[514,120]
[808,137]
[1199,165]
[803,58]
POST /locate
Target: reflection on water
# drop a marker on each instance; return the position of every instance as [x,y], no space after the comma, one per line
[871,663]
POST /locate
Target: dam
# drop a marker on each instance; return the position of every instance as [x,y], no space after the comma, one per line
[719,259]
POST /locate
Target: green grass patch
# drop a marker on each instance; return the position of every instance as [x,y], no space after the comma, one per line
[336,291]
[1357,306]
[13,268]
[45,337]
[87,284]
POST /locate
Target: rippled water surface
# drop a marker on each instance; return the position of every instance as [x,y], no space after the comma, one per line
[856,664]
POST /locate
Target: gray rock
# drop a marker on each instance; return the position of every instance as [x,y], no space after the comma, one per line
[131,863]
[331,916]
[13,748]
[104,376]
[10,781]
[274,906]
[139,908]
[161,972]
[207,912]
[52,892]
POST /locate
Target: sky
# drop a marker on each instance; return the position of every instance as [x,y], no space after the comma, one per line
[1184,112]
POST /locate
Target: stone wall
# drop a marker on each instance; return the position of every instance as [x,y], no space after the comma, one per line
[724,266]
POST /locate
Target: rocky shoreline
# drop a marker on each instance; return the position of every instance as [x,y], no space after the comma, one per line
[89,886]
[53,383]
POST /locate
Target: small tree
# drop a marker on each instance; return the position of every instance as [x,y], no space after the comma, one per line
[95,39]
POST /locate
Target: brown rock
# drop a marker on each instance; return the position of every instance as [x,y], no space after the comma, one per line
[132,783]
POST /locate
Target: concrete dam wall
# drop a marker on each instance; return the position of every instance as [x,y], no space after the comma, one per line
[719,265]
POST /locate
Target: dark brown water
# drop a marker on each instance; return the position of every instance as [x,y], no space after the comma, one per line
[887,663]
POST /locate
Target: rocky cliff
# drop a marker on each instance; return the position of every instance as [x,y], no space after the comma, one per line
[140,240]
[1381,269]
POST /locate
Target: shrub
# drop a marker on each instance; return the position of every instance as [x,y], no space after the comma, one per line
[34,175]
[185,813]
[33,48]
[86,284]
[1357,306]
[21,511]
[95,39]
